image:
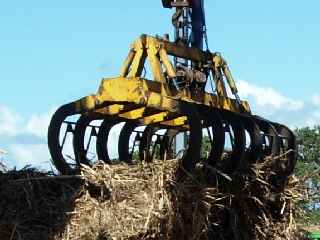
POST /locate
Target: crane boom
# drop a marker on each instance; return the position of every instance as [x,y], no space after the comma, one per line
[198,23]
[189,15]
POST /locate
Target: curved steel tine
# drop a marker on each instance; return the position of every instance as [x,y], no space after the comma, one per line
[102,139]
[218,138]
[54,145]
[273,149]
[124,141]
[254,153]
[234,126]
[144,147]
[79,140]
[192,154]
[289,149]
[166,148]
[238,148]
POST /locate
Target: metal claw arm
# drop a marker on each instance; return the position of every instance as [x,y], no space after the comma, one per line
[222,67]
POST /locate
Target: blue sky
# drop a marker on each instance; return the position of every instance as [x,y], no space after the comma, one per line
[52,52]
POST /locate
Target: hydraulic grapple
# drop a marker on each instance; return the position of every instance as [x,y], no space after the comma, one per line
[191,92]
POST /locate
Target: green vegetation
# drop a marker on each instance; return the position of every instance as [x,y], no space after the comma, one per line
[308,167]
[206,147]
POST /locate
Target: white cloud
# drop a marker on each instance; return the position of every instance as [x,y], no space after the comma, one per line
[313,119]
[35,155]
[38,124]
[268,97]
[275,106]
[9,121]
[3,152]
[316,99]
[12,123]
[14,129]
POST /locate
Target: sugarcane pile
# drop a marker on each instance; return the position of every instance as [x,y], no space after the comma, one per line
[158,200]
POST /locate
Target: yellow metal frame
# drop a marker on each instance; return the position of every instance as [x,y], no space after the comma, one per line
[131,97]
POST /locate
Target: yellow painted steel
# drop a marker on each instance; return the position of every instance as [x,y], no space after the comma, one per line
[115,94]
[220,85]
[85,104]
[221,66]
[134,114]
[110,110]
[166,62]
[151,94]
[126,65]
[138,60]
[176,122]
[156,118]
[153,48]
